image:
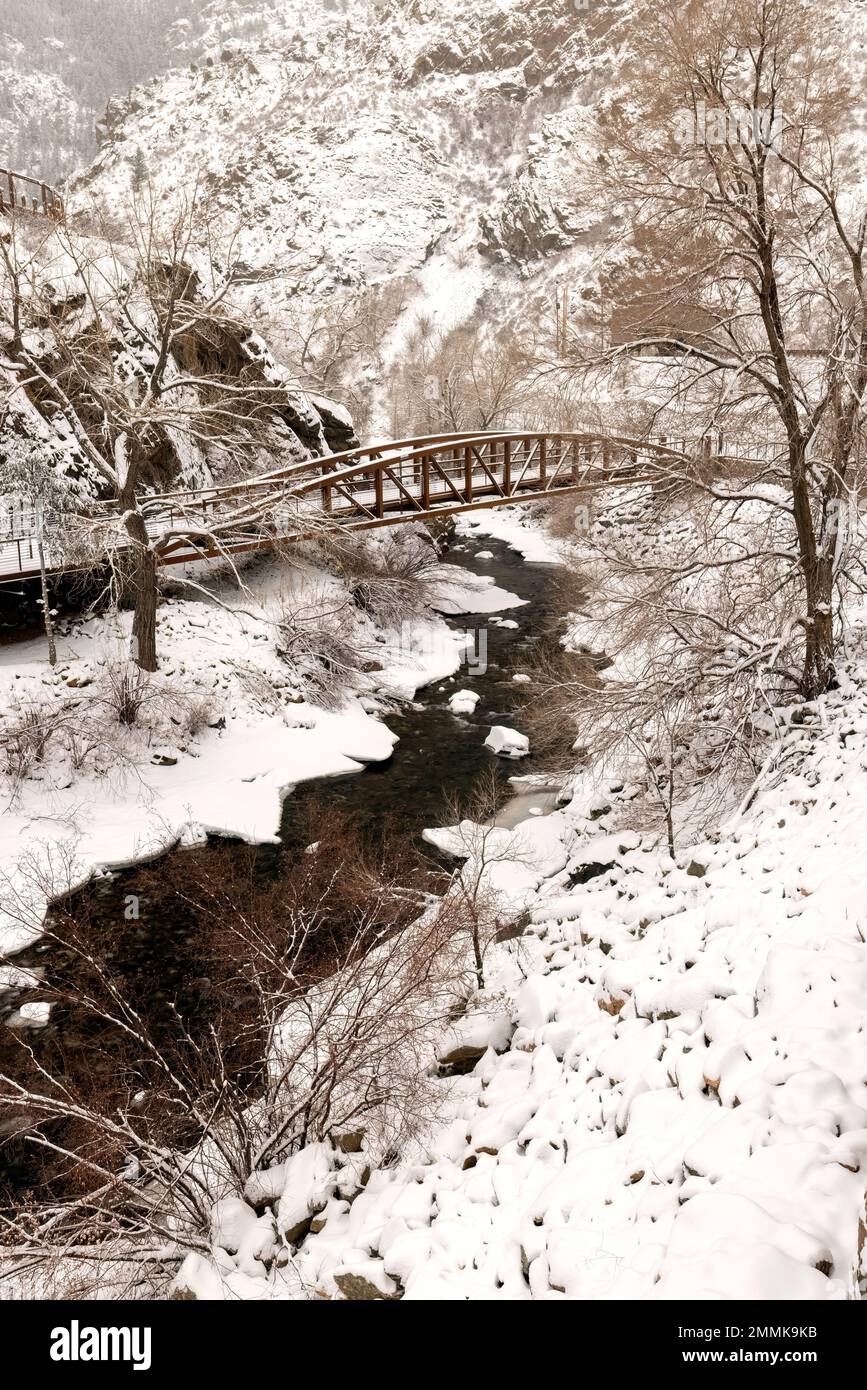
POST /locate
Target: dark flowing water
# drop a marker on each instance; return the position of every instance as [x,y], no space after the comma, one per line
[439,755]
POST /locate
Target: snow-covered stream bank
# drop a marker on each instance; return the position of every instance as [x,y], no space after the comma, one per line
[670,1093]
[233,777]
[440,753]
[423,754]
[662,1090]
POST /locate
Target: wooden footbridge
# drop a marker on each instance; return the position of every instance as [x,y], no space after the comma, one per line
[21,193]
[382,485]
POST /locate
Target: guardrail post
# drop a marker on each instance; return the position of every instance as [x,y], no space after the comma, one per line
[468,473]
[425,481]
[507,466]
[379,490]
[543,460]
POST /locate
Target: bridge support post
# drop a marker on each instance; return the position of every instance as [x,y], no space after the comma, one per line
[425,481]
[507,467]
[468,474]
[543,460]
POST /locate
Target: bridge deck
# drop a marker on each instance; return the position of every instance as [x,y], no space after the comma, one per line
[379,485]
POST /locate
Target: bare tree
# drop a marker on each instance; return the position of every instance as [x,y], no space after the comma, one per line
[735,172]
[664,693]
[475,838]
[141,369]
[26,472]
[464,378]
[317,1011]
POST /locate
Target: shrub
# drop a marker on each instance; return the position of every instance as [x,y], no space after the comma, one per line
[26,742]
[395,580]
[318,639]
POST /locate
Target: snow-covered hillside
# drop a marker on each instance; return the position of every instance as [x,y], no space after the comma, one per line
[426,152]
[94,287]
[659,1094]
[62,60]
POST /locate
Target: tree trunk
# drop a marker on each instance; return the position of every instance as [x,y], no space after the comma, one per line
[477,953]
[819,628]
[144,624]
[817,568]
[669,811]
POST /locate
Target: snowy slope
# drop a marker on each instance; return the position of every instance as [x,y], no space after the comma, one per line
[671,1095]
[395,145]
[62,60]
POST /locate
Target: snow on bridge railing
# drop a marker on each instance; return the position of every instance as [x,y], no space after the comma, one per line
[379,484]
[21,193]
[714,445]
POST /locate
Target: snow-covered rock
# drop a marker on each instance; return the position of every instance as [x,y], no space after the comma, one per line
[464,702]
[507,743]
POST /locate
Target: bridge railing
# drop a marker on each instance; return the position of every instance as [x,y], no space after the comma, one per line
[369,486]
[382,484]
[21,193]
[399,453]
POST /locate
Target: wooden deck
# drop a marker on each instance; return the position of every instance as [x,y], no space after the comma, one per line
[384,484]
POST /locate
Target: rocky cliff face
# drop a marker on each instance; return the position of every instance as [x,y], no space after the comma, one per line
[61,60]
[79,323]
[423,152]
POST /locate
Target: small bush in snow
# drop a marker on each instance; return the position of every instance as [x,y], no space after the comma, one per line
[394,580]
[126,691]
[318,639]
[26,740]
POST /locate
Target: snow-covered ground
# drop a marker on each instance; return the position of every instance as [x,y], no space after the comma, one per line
[667,1093]
[680,1109]
[670,1096]
[254,736]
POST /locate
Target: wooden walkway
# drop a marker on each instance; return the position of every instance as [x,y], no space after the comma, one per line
[20,193]
[385,484]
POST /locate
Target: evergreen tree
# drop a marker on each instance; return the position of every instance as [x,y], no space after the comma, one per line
[140,174]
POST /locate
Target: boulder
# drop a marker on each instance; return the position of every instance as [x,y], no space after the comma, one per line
[337,423]
[464,702]
[507,743]
[164,757]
